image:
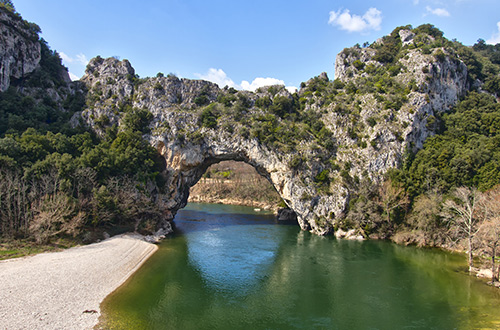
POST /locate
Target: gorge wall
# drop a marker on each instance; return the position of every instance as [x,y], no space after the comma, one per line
[19,48]
[314,146]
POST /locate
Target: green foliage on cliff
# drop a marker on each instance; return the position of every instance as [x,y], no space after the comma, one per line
[208,117]
[467,153]
[8,5]
[56,179]
[19,112]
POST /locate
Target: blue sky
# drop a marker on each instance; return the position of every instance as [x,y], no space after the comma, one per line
[244,44]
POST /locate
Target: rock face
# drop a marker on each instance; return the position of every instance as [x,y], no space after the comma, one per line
[189,149]
[286,216]
[371,124]
[19,48]
[429,86]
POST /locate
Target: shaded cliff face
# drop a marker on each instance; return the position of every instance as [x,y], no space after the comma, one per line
[19,48]
[314,146]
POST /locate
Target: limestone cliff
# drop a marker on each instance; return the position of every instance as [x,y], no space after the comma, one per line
[314,146]
[19,48]
[398,111]
[28,64]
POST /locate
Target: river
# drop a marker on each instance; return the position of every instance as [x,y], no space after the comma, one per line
[230,267]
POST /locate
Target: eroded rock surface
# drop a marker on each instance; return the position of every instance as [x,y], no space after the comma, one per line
[368,126]
[19,48]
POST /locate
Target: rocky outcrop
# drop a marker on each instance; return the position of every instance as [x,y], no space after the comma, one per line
[189,149]
[372,123]
[429,85]
[19,48]
[286,216]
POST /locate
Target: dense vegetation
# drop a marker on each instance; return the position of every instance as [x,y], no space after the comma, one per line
[458,168]
[56,179]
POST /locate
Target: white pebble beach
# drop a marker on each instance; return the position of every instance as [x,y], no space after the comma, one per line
[61,290]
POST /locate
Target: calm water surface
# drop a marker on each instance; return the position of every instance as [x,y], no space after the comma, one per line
[232,268]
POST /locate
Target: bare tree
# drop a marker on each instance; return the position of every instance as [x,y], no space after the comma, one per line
[425,218]
[391,196]
[461,213]
[55,214]
[14,203]
[489,238]
[489,230]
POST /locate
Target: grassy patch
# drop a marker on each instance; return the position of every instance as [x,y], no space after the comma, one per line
[10,249]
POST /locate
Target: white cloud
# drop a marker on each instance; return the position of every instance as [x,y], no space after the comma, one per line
[217,76]
[75,64]
[437,11]
[65,57]
[371,20]
[260,82]
[82,59]
[73,77]
[495,38]
[79,59]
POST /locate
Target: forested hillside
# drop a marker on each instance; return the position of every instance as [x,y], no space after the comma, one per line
[393,147]
[57,178]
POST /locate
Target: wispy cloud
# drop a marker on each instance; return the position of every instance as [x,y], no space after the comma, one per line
[437,11]
[73,76]
[371,20]
[79,59]
[219,77]
[77,63]
[495,38]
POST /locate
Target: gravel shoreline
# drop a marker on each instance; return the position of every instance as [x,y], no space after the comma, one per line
[63,290]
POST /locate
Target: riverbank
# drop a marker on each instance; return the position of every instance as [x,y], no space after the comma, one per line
[234,201]
[235,183]
[63,290]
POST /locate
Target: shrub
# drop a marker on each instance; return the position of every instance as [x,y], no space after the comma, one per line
[201,100]
[358,65]
[323,177]
[138,120]
[208,118]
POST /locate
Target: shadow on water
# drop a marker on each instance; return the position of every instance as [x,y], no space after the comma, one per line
[202,216]
[258,275]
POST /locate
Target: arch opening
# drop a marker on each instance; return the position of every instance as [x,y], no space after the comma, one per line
[237,183]
[231,180]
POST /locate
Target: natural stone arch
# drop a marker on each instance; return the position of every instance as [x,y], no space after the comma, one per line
[195,123]
[187,162]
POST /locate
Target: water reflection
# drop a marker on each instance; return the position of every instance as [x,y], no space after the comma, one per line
[233,266]
[256,275]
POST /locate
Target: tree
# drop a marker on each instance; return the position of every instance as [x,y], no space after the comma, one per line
[489,238]
[391,196]
[489,230]
[425,218]
[461,214]
[8,4]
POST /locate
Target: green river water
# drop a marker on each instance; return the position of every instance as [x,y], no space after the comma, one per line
[232,268]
